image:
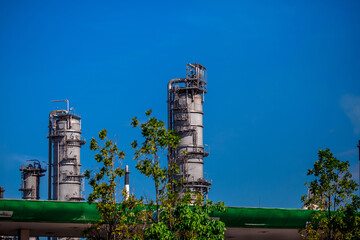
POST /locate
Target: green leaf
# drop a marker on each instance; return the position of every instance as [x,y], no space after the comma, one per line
[103,134]
[134,122]
[148,112]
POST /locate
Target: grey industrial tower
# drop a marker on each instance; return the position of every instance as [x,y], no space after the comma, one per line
[65,142]
[185,115]
[30,178]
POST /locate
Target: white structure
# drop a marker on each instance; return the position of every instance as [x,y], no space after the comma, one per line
[30,178]
[127,182]
[185,115]
[64,155]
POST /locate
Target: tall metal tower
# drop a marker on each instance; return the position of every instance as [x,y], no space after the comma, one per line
[185,115]
[30,178]
[65,142]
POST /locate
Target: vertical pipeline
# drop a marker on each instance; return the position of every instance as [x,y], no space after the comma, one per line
[58,172]
[50,157]
[170,120]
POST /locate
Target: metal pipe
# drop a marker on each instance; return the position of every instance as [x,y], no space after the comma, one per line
[50,158]
[58,171]
[51,119]
[127,186]
[67,103]
[171,82]
[51,116]
[169,87]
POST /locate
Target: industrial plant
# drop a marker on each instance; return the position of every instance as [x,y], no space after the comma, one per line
[67,215]
[185,99]
[65,179]
[185,115]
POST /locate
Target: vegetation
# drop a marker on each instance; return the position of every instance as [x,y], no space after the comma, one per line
[332,194]
[118,221]
[169,216]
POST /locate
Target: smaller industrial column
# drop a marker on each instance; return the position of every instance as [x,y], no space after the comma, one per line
[30,178]
[65,142]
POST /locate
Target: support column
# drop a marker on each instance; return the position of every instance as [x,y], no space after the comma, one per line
[24,234]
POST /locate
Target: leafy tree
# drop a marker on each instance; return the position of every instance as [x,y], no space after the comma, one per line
[175,218]
[332,194]
[118,221]
[157,139]
[170,216]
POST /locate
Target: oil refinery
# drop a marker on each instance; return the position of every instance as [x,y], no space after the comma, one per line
[66,214]
[185,99]
[65,179]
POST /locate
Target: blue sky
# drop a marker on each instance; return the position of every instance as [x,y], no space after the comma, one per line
[283,82]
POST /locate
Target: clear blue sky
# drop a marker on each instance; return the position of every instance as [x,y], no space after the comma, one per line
[283,82]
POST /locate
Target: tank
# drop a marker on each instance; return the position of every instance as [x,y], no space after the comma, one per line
[185,115]
[30,178]
[65,142]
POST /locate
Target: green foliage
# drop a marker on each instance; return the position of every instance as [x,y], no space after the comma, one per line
[195,223]
[159,231]
[171,216]
[118,221]
[332,193]
[191,222]
[175,218]
[156,139]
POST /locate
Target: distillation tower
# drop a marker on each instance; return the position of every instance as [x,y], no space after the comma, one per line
[185,115]
[65,142]
[30,178]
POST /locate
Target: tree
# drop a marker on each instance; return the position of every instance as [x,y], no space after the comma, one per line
[170,216]
[157,139]
[118,221]
[175,218]
[331,193]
